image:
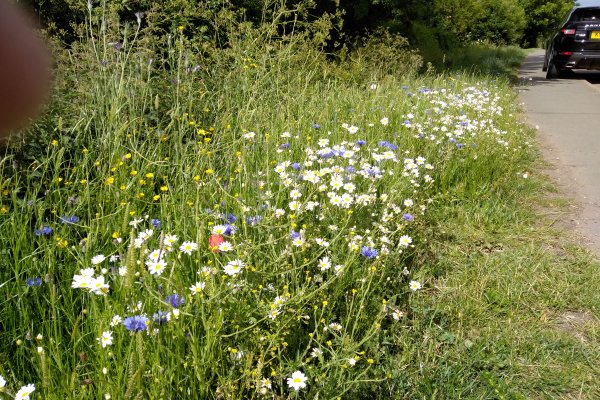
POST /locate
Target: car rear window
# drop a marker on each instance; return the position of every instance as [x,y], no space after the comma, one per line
[586,14]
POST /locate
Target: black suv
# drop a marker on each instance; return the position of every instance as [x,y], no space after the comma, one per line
[576,45]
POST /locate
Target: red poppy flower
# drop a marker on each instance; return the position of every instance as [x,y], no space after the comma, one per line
[214,241]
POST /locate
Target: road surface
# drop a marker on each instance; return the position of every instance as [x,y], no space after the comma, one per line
[567,115]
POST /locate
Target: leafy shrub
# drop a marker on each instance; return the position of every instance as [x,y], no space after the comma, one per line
[382,54]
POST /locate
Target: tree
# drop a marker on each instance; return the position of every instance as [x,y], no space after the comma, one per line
[541,17]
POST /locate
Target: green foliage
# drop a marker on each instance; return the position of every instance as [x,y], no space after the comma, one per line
[434,26]
[498,21]
[483,59]
[379,55]
[155,119]
[542,17]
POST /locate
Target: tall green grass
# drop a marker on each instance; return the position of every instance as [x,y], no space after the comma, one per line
[161,136]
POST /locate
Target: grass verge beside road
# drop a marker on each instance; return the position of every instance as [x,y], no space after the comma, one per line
[263,223]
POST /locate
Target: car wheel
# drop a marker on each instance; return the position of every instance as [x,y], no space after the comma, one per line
[551,71]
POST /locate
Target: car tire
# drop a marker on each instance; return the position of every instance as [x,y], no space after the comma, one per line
[551,71]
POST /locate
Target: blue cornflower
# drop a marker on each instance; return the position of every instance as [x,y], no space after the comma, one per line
[368,252]
[229,230]
[294,235]
[156,223]
[296,166]
[231,218]
[404,87]
[254,220]
[69,220]
[389,145]
[459,145]
[452,140]
[361,142]
[37,281]
[45,231]
[175,300]
[137,323]
[160,317]
[325,153]
[284,146]
[316,126]
[371,171]
[409,217]
[350,169]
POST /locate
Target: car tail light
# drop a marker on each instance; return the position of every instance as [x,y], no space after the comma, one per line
[568,31]
[566,53]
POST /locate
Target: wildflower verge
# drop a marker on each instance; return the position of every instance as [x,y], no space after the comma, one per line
[261,230]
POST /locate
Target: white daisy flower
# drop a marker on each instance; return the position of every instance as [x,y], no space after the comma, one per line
[233,267]
[156,267]
[24,392]
[405,240]
[116,320]
[324,264]
[335,326]
[97,259]
[414,285]
[274,313]
[225,246]
[170,240]
[198,287]
[188,247]
[105,339]
[98,286]
[219,230]
[82,282]
[297,381]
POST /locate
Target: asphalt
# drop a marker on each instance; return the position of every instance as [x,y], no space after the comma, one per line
[566,113]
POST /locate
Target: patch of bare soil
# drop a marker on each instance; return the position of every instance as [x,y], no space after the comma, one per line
[575,323]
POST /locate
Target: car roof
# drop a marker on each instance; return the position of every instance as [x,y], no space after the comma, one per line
[587,3]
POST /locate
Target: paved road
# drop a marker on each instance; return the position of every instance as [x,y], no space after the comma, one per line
[567,112]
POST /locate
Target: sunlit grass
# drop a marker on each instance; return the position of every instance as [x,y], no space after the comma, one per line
[255,225]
